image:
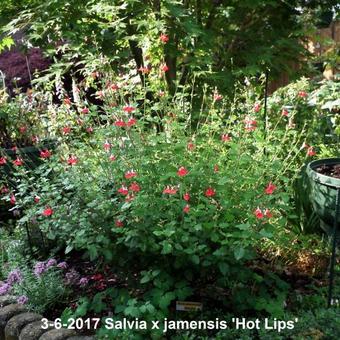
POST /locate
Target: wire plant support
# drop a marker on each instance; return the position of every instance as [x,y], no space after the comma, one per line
[334,245]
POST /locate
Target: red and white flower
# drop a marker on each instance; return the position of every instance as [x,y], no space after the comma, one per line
[182,171]
[270,188]
[170,190]
[45,153]
[258,213]
[225,137]
[48,211]
[18,161]
[130,174]
[210,192]
[123,190]
[164,38]
[72,160]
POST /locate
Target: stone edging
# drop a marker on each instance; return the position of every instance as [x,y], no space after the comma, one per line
[16,323]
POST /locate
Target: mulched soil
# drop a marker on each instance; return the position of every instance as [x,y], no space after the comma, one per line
[329,170]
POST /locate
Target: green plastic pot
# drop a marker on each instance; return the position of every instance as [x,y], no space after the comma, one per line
[322,193]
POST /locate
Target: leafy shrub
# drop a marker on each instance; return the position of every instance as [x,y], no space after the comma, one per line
[182,207]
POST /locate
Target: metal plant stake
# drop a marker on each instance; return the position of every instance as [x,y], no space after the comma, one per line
[334,243]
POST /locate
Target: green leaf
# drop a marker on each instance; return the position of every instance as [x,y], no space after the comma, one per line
[166,299]
[195,259]
[6,42]
[69,248]
[167,248]
[243,226]
[223,267]
[239,253]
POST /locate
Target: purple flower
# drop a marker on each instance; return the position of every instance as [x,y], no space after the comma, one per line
[83,282]
[51,263]
[62,265]
[23,299]
[72,277]
[14,276]
[5,288]
[39,268]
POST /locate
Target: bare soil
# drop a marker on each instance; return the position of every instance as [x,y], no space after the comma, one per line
[329,170]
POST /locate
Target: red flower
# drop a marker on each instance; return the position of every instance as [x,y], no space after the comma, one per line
[302,94]
[257,107]
[35,139]
[182,171]
[144,70]
[14,148]
[120,123]
[170,190]
[191,146]
[164,68]
[270,188]
[72,160]
[250,124]
[129,108]
[48,211]
[131,122]
[4,190]
[67,101]
[258,213]
[89,129]
[85,110]
[284,112]
[66,130]
[107,146]
[130,174]
[3,160]
[225,137]
[186,196]
[186,209]
[23,129]
[123,190]
[217,97]
[119,223]
[45,153]
[97,277]
[12,199]
[210,192]
[164,38]
[100,286]
[311,151]
[134,187]
[36,199]
[112,158]
[267,213]
[161,93]
[114,87]
[18,161]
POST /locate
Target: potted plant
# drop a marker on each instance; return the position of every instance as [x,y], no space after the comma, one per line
[324,179]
